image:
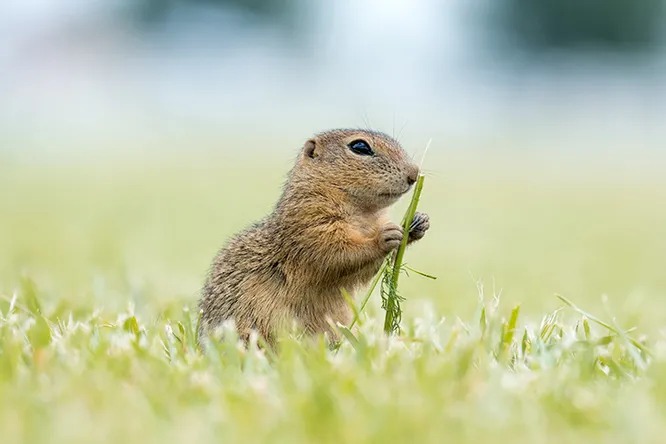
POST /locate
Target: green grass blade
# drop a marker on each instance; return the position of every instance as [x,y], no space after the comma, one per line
[392,299]
[606,325]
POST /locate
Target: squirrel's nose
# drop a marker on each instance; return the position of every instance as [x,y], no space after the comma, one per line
[412,175]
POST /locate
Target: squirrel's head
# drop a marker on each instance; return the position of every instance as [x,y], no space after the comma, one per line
[369,166]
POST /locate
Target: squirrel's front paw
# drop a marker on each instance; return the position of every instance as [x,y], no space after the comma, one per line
[390,237]
[419,226]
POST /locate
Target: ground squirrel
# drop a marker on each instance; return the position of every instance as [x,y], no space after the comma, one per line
[329,231]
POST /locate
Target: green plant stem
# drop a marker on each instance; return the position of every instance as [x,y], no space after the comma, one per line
[606,325]
[371,289]
[392,298]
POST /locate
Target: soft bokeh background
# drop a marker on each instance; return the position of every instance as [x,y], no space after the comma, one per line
[135,136]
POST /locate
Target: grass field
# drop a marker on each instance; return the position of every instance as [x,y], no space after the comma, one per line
[100,267]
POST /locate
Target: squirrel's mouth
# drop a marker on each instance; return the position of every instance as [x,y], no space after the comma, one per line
[393,195]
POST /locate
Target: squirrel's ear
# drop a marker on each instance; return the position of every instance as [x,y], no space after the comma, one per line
[310,149]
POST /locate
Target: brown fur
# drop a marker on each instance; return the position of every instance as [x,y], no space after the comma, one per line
[328,231]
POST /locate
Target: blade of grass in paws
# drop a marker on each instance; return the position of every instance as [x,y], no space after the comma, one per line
[366,298]
[391,299]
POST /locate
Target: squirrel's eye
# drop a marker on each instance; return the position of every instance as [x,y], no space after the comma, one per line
[361,147]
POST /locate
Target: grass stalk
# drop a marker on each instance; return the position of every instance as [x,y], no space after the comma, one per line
[392,274]
[366,297]
[613,328]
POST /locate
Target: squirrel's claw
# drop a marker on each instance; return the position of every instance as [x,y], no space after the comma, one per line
[419,226]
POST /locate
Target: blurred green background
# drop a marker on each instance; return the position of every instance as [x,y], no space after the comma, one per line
[135,137]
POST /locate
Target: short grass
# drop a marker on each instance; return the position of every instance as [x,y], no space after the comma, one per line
[100,267]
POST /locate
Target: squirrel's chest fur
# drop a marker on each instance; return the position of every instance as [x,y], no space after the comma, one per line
[265,279]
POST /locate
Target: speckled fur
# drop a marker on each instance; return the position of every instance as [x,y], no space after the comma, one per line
[329,230]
